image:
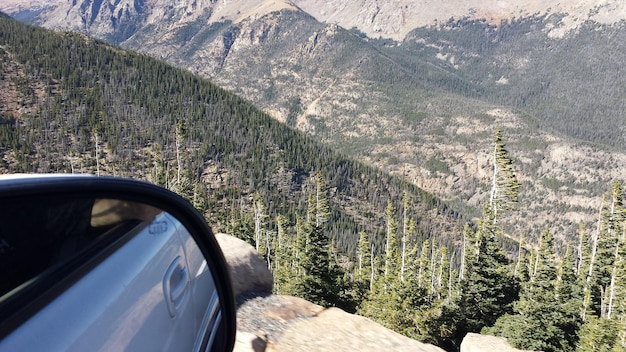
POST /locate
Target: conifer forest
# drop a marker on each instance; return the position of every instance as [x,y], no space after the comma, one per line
[332,230]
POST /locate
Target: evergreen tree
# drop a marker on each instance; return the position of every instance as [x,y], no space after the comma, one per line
[470,250]
[322,209]
[392,260]
[364,259]
[405,233]
[319,283]
[423,267]
[322,281]
[489,289]
[504,184]
[241,225]
[261,241]
[541,321]
[282,268]
[618,271]
[599,335]
[384,302]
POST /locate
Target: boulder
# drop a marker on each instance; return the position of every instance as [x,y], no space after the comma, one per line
[485,343]
[248,272]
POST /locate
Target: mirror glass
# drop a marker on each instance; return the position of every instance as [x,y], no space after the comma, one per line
[87,273]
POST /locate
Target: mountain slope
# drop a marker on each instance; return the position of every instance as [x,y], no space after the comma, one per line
[72,103]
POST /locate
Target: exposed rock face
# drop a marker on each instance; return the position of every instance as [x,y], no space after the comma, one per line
[485,343]
[335,330]
[293,324]
[118,21]
[394,19]
[261,50]
[388,19]
[245,342]
[248,271]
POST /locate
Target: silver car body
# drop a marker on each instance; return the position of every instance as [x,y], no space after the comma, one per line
[153,293]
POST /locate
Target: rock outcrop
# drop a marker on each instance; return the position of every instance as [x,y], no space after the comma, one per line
[485,343]
[248,272]
[335,330]
[267,322]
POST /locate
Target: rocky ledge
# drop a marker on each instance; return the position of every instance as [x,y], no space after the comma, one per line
[267,322]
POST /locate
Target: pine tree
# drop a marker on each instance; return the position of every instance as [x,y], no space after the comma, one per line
[541,321]
[391,247]
[504,184]
[583,252]
[470,250]
[618,279]
[363,265]
[405,233]
[598,335]
[384,302]
[443,272]
[322,281]
[322,209]
[283,261]
[261,242]
[489,289]
[319,282]
[423,267]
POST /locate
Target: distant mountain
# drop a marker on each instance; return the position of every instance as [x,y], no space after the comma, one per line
[395,19]
[386,19]
[425,107]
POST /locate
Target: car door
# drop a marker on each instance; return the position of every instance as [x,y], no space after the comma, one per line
[147,288]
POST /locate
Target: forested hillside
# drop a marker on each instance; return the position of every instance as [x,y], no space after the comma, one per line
[570,84]
[73,104]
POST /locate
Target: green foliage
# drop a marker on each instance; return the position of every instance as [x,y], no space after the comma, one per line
[294,108]
[599,335]
[435,164]
[319,283]
[227,157]
[504,187]
[541,322]
[489,288]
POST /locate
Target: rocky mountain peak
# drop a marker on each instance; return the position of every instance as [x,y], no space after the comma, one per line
[377,18]
[394,19]
[119,20]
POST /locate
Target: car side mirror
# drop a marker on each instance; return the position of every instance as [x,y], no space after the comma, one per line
[92,263]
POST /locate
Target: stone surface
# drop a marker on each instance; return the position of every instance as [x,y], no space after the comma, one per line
[249,342]
[335,330]
[248,271]
[486,343]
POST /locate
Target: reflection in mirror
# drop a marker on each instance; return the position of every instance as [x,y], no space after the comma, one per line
[103,274]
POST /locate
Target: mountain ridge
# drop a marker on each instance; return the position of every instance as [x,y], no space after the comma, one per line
[387,19]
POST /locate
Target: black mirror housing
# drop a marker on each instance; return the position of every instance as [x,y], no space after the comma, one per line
[32,201]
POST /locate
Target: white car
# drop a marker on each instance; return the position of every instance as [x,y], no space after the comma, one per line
[105,264]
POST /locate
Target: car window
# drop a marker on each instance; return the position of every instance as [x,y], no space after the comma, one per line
[38,241]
